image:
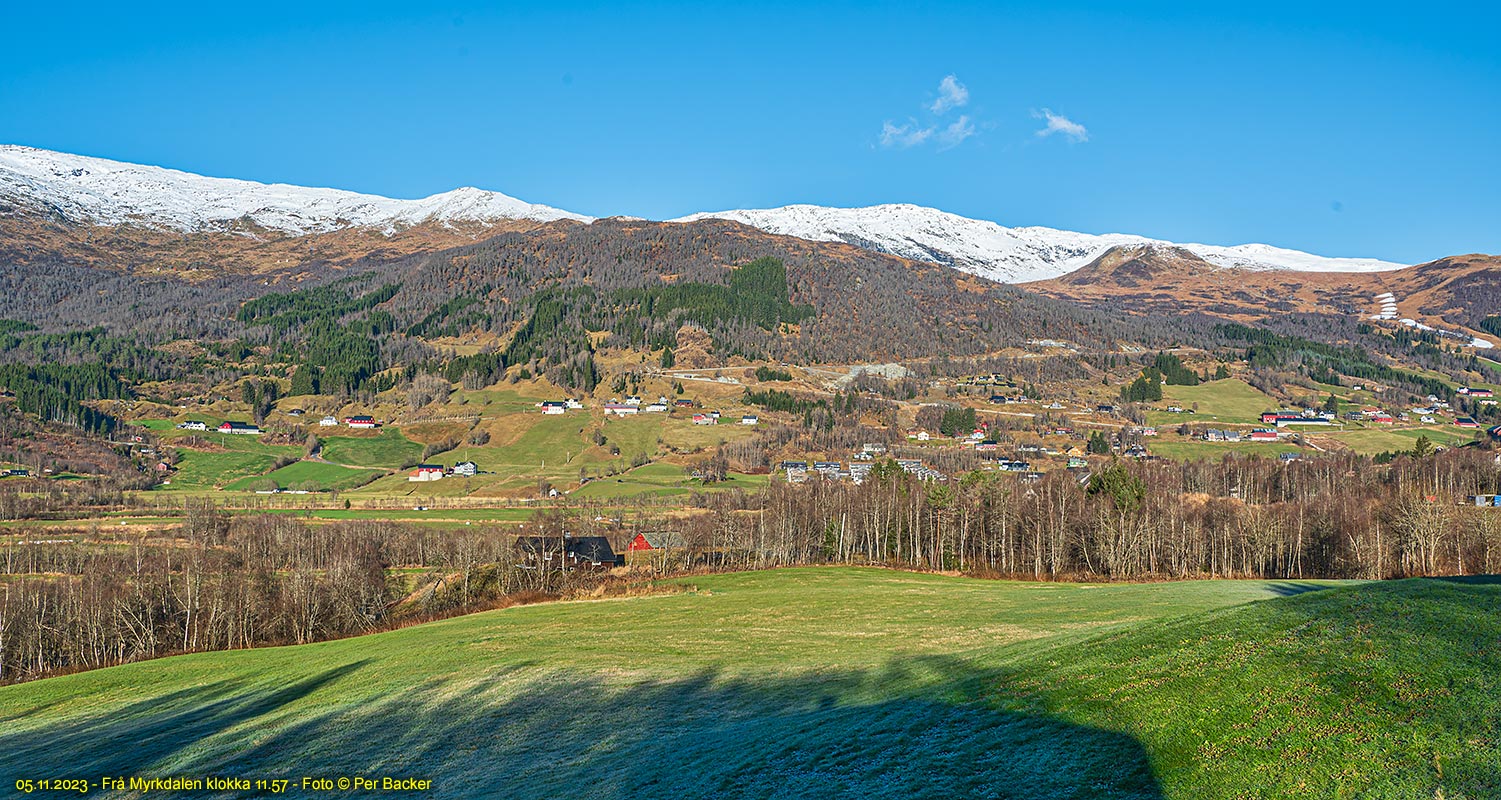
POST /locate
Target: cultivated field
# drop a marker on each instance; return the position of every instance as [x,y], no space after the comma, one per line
[836,682]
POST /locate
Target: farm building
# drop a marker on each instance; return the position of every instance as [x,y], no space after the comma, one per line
[566,552]
[1473,392]
[656,540]
[360,421]
[1465,422]
[1281,418]
[1263,435]
[426,472]
[621,409]
[702,419]
[242,428]
[553,407]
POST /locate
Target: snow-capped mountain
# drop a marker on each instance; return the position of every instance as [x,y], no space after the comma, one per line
[96,191]
[102,192]
[1009,255]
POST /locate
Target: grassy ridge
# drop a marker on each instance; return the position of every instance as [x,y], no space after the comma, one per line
[821,682]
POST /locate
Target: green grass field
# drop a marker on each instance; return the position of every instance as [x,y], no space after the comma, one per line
[662,480]
[385,450]
[308,474]
[814,683]
[1372,440]
[1229,400]
[240,457]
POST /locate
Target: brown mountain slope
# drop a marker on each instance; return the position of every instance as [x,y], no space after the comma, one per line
[1453,293]
[27,238]
[1137,266]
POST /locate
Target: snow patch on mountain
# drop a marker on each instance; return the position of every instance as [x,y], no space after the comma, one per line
[990,250]
[99,191]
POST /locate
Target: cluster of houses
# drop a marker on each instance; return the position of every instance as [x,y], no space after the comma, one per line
[435,472]
[555,407]
[1307,416]
[357,421]
[634,405]
[1256,435]
[855,472]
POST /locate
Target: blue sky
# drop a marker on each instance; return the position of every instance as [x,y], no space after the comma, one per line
[1340,129]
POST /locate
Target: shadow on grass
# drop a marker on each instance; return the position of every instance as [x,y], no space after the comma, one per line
[150,731]
[1472,580]
[1292,588]
[911,729]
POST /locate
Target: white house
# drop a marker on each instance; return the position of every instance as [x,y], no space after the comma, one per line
[329,422]
[466,468]
[194,425]
[749,419]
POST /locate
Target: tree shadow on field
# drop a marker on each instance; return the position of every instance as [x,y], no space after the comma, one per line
[914,728]
[1292,588]
[155,730]
[1471,580]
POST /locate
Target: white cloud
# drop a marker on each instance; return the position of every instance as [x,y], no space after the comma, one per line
[1057,123]
[961,129]
[951,94]
[903,136]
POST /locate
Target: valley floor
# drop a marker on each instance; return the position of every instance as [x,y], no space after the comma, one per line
[822,682]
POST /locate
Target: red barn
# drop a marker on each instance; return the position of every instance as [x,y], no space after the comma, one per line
[655,540]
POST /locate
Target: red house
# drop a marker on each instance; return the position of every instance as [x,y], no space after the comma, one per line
[655,540]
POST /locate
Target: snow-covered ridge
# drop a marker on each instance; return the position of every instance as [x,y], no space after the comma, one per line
[1009,255]
[98,191]
[103,192]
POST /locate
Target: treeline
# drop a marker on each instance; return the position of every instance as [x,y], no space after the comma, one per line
[1324,362]
[55,375]
[222,583]
[1330,517]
